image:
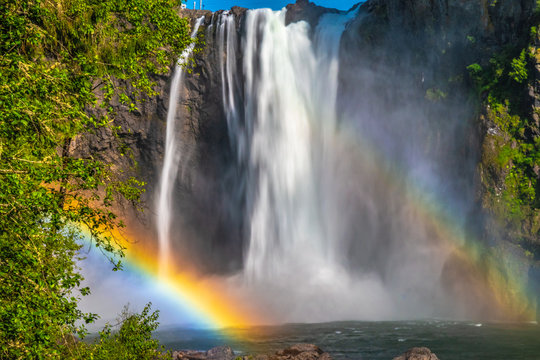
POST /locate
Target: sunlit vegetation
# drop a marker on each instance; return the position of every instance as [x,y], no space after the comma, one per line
[504,85]
[58,59]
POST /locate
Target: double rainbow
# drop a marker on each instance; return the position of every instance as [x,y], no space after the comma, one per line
[499,280]
[212,303]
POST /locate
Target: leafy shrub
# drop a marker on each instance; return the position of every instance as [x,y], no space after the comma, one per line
[132,341]
[519,66]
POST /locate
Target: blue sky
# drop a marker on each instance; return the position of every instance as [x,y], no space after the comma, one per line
[273,4]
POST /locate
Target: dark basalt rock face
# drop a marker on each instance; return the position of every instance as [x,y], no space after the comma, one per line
[208,223]
[204,225]
[133,148]
[503,19]
[306,11]
[445,30]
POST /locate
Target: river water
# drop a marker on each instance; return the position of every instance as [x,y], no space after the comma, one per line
[449,340]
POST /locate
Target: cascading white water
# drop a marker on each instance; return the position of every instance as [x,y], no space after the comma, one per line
[227,43]
[293,93]
[172,158]
[300,182]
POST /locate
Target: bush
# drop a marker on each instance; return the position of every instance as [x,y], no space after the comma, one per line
[132,341]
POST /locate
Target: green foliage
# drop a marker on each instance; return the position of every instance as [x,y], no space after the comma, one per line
[503,83]
[519,66]
[435,94]
[57,60]
[504,78]
[534,32]
[517,159]
[471,39]
[132,341]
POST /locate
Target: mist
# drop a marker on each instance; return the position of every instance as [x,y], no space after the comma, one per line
[334,179]
[336,154]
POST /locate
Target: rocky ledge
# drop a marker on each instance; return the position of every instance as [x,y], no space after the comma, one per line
[295,352]
[417,353]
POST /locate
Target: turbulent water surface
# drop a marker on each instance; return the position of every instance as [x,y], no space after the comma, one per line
[376,340]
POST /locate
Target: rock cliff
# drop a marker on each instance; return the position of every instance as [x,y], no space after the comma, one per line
[412,52]
[424,49]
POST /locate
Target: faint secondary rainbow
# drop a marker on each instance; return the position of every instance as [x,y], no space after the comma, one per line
[499,273]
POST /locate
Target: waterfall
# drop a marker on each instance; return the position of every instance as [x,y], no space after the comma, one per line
[172,159]
[323,233]
[291,91]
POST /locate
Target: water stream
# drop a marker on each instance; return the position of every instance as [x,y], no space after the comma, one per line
[172,158]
